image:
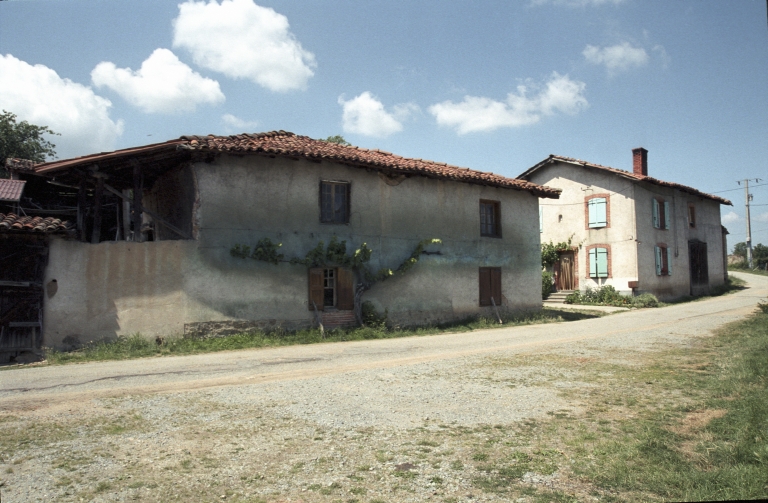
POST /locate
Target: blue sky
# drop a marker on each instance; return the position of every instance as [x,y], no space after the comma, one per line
[493,86]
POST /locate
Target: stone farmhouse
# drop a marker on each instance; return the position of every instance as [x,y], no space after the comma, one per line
[629,230]
[144,237]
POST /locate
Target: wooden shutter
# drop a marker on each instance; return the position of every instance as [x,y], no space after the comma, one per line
[495,276]
[485,286]
[593,263]
[658,260]
[655,214]
[316,288]
[602,262]
[666,214]
[345,289]
[598,214]
[592,213]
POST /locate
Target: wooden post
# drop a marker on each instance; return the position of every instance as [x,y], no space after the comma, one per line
[497,311]
[319,320]
[137,205]
[126,216]
[98,195]
[81,208]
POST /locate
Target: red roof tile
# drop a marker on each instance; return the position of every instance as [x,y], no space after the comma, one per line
[285,144]
[10,190]
[10,222]
[626,174]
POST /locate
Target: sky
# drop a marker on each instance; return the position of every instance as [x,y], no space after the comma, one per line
[489,85]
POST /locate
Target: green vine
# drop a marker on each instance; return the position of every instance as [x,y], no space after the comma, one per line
[550,252]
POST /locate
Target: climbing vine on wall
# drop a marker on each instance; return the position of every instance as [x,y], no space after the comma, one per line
[550,252]
[334,254]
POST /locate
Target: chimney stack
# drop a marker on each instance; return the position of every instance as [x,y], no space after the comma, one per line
[640,161]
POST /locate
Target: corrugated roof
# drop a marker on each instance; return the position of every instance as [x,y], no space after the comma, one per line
[626,174]
[10,222]
[285,144]
[10,190]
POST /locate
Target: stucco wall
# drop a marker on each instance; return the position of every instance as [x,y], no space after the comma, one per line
[156,287]
[566,218]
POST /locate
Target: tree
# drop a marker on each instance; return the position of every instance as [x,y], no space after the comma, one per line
[23,140]
[338,139]
[740,250]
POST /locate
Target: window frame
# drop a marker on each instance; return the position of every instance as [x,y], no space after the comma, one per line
[496,212]
[691,216]
[663,259]
[347,206]
[661,214]
[588,202]
[492,284]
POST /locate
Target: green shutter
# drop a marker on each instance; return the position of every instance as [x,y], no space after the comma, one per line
[655,214]
[593,263]
[658,260]
[666,215]
[597,212]
[602,262]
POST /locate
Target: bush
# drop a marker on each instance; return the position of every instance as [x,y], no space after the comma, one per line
[546,284]
[606,295]
[645,300]
[371,318]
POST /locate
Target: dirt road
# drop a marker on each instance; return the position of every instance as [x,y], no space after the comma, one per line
[305,423]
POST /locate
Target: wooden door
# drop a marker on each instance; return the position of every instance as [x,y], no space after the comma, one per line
[697,257]
[566,272]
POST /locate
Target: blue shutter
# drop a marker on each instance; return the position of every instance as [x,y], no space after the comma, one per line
[597,212]
[593,263]
[669,261]
[666,215]
[541,219]
[658,260]
[655,214]
[602,262]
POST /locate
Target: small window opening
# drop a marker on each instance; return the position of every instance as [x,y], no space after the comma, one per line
[329,287]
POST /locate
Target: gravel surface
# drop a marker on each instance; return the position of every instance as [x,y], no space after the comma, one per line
[389,420]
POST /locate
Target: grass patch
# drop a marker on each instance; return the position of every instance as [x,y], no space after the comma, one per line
[138,346]
[759,272]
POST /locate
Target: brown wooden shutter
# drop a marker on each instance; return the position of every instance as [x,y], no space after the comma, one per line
[495,274]
[485,286]
[316,288]
[345,289]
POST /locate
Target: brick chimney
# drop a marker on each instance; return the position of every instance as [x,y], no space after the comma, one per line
[640,161]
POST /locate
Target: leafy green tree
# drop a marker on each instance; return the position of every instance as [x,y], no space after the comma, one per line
[740,250]
[338,139]
[23,140]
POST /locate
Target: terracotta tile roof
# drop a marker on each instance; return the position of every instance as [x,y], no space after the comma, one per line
[282,143]
[10,222]
[626,174]
[20,164]
[10,190]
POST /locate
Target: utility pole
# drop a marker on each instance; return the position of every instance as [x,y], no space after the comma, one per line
[747,199]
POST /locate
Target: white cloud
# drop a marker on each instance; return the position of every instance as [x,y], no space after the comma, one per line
[559,94]
[364,114]
[762,217]
[616,58]
[243,40]
[730,218]
[233,122]
[163,84]
[37,94]
[576,3]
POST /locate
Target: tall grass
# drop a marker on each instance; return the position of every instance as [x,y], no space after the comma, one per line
[139,346]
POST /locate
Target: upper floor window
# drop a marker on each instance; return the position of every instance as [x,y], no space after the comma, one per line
[598,262]
[663,260]
[334,202]
[597,212]
[490,218]
[691,215]
[661,214]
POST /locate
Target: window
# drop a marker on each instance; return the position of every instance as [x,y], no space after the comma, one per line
[334,202]
[661,214]
[597,212]
[598,262]
[663,260]
[691,215]
[490,217]
[331,287]
[490,286]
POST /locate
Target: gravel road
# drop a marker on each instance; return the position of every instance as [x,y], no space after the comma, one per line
[282,424]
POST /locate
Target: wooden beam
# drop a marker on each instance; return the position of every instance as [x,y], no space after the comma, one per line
[138,186]
[152,214]
[98,196]
[126,215]
[82,205]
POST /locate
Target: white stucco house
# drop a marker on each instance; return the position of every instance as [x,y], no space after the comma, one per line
[155,226]
[630,230]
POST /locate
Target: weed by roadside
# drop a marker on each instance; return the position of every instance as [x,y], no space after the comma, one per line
[759,272]
[139,346]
